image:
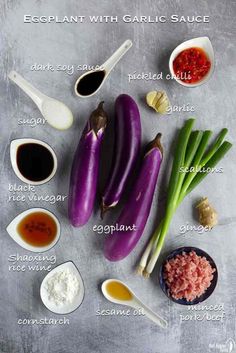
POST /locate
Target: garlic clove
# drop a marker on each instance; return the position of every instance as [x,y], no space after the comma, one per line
[158,100]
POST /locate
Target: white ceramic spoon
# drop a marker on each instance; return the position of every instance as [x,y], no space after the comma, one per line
[56,113]
[135,303]
[106,67]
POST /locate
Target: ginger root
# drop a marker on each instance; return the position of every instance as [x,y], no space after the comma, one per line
[208,216]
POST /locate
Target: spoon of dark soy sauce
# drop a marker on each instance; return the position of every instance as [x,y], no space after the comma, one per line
[91,81]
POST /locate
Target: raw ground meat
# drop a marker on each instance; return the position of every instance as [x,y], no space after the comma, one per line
[188,275]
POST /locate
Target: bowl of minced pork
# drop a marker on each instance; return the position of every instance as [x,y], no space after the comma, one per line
[188,276]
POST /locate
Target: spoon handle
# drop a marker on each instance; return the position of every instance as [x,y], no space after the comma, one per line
[113,60]
[30,90]
[151,315]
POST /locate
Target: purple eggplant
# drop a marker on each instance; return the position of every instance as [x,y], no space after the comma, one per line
[85,168]
[133,218]
[127,148]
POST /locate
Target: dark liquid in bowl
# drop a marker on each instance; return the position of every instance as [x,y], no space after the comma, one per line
[90,83]
[35,162]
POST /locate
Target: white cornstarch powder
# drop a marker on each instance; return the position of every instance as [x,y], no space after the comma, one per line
[62,287]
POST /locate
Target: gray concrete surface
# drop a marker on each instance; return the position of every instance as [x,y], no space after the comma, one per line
[22,45]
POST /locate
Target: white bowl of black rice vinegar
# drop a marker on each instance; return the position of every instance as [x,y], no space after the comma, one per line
[33,161]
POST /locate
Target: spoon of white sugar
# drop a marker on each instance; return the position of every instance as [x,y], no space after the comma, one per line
[56,113]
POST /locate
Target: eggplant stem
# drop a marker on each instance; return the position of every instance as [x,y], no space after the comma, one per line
[104,209]
[98,119]
[155,143]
